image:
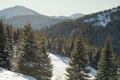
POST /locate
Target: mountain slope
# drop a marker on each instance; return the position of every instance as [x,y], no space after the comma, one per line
[8,75]
[36,21]
[94,27]
[103,18]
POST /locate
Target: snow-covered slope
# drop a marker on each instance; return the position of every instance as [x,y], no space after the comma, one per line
[75,16]
[59,66]
[16,11]
[8,75]
[103,18]
[61,63]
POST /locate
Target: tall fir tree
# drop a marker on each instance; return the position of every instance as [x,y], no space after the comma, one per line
[33,57]
[27,57]
[71,48]
[45,66]
[4,44]
[107,68]
[9,44]
[78,62]
[17,56]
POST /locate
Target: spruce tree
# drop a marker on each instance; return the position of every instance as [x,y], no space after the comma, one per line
[59,46]
[4,53]
[28,52]
[17,56]
[9,44]
[107,68]
[45,66]
[33,57]
[78,62]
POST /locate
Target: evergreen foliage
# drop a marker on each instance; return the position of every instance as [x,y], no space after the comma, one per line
[6,46]
[107,69]
[18,52]
[45,67]
[78,63]
[9,44]
[3,58]
[32,55]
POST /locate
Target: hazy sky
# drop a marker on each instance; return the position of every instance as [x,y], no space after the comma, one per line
[62,7]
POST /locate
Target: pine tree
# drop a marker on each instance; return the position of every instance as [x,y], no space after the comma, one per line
[9,44]
[33,57]
[4,53]
[45,66]
[107,68]
[17,56]
[71,48]
[59,46]
[27,52]
[78,62]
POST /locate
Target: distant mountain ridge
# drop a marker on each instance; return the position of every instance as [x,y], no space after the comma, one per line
[76,16]
[19,15]
[73,16]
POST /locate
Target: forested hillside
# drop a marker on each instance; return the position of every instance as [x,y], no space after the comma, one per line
[94,27]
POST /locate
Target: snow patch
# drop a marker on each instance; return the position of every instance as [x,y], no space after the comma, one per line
[89,20]
[92,74]
[92,71]
[101,19]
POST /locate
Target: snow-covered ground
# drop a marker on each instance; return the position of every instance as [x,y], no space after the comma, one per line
[59,66]
[61,63]
[8,75]
[59,70]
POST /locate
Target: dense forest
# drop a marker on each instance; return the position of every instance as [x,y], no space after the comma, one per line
[95,33]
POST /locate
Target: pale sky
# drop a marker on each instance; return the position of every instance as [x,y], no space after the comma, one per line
[62,7]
